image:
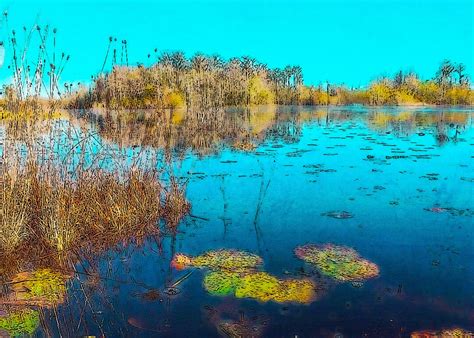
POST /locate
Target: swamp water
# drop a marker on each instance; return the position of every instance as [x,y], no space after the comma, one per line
[389,191]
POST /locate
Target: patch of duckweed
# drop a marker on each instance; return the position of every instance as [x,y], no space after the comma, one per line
[259,285]
[449,333]
[339,262]
[20,322]
[41,287]
[236,273]
[230,260]
[265,287]
[221,283]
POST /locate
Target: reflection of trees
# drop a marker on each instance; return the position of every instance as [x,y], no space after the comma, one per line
[447,125]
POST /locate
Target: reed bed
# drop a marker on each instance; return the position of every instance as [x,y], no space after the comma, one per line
[59,205]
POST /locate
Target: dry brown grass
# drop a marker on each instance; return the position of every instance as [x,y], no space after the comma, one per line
[55,213]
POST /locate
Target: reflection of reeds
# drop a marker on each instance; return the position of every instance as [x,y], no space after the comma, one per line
[56,210]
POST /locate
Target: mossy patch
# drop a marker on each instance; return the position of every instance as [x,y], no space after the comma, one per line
[338,262]
[20,322]
[41,287]
[230,260]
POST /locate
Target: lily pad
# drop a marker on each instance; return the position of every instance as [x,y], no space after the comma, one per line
[339,262]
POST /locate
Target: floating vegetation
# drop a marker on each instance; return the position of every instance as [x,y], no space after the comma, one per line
[449,333]
[230,260]
[452,211]
[259,285]
[38,288]
[339,262]
[338,214]
[239,329]
[20,322]
[221,283]
[235,273]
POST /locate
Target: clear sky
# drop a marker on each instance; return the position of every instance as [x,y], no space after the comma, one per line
[344,41]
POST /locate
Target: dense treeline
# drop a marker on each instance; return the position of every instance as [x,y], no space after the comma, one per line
[209,81]
[204,81]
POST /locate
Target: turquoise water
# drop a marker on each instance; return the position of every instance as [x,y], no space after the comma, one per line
[405,176]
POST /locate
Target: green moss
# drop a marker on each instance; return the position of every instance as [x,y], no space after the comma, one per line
[20,323]
[41,287]
[220,283]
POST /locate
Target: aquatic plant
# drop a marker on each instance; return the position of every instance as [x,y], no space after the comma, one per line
[339,262]
[19,323]
[447,333]
[227,260]
[221,283]
[41,287]
[259,285]
[265,287]
[239,329]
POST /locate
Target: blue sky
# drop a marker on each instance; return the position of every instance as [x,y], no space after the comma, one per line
[351,41]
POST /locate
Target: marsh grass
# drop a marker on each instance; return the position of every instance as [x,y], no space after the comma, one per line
[60,205]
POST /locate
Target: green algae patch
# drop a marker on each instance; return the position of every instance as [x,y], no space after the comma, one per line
[42,287]
[20,322]
[230,260]
[338,262]
[221,283]
[260,286]
[236,273]
[265,287]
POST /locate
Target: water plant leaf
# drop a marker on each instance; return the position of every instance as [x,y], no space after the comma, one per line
[20,322]
[339,262]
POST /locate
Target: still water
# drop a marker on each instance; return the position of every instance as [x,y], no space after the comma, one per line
[394,184]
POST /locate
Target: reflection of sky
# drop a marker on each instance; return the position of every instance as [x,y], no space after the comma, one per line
[347,41]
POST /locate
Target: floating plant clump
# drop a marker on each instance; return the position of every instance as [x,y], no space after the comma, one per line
[235,273]
[20,322]
[265,287]
[221,283]
[239,329]
[260,286]
[41,288]
[450,333]
[339,262]
[231,260]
